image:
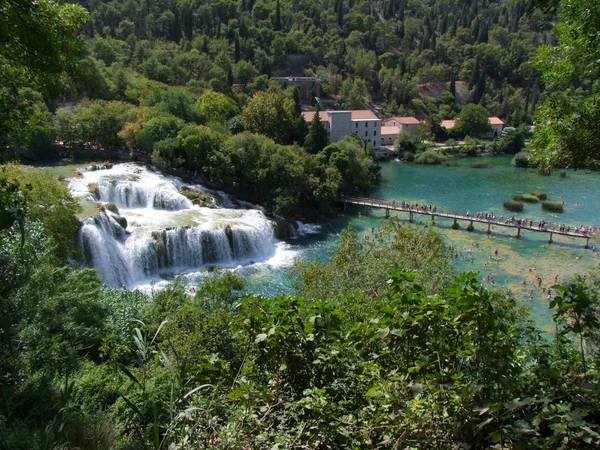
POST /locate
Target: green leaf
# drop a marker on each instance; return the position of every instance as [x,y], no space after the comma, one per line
[127,372]
[132,406]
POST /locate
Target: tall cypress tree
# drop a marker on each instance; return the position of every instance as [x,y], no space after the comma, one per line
[340,12]
[278,17]
[316,139]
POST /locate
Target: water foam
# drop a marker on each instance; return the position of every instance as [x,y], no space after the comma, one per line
[166,233]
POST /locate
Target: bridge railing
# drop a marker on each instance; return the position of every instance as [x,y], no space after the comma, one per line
[424,209]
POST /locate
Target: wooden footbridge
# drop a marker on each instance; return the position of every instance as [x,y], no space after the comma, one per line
[427,210]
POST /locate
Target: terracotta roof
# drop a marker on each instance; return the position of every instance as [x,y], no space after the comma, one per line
[496,121]
[448,124]
[308,116]
[407,120]
[390,130]
[358,114]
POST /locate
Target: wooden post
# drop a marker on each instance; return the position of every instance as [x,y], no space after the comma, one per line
[387,212]
[518,232]
[488,230]
[550,240]
[587,242]
[410,216]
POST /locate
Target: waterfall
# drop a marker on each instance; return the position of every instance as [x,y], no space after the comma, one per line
[166,233]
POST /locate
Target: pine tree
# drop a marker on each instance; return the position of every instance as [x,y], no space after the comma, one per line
[340,12]
[453,84]
[278,17]
[236,53]
[316,139]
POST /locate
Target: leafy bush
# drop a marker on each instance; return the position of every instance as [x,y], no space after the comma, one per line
[430,157]
[556,207]
[513,205]
[522,159]
[480,165]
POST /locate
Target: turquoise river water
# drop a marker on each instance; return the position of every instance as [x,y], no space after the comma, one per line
[463,188]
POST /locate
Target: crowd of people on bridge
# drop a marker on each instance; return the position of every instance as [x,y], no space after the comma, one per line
[514,220]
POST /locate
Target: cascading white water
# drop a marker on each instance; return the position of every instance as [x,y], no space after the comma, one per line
[166,233]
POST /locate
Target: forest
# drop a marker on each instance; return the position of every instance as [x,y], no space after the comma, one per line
[382,346]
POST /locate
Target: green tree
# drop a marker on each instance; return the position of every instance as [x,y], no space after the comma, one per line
[472,121]
[217,106]
[158,129]
[271,114]
[39,40]
[566,123]
[199,143]
[513,140]
[317,138]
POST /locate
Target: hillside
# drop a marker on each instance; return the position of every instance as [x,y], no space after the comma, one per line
[362,50]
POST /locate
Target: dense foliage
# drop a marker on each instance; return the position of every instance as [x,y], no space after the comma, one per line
[567,122]
[381,347]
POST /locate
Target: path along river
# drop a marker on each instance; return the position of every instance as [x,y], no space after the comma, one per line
[458,187]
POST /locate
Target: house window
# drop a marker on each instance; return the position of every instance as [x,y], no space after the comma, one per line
[356,124]
[366,133]
[366,124]
[375,133]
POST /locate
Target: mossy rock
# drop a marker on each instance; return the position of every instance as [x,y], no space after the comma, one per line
[540,195]
[455,226]
[529,198]
[121,221]
[197,197]
[562,174]
[234,200]
[481,165]
[112,207]
[470,228]
[229,234]
[556,207]
[513,205]
[283,229]
[161,250]
[94,190]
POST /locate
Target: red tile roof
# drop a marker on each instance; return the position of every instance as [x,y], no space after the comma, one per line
[387,130]
[448,124]
[308,116]
[359,114]
[496,121]
[407,120]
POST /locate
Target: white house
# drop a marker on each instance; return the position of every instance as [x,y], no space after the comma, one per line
[342,123]
[406,124]
[389,134]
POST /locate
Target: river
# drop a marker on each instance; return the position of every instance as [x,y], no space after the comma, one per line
[156,245]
